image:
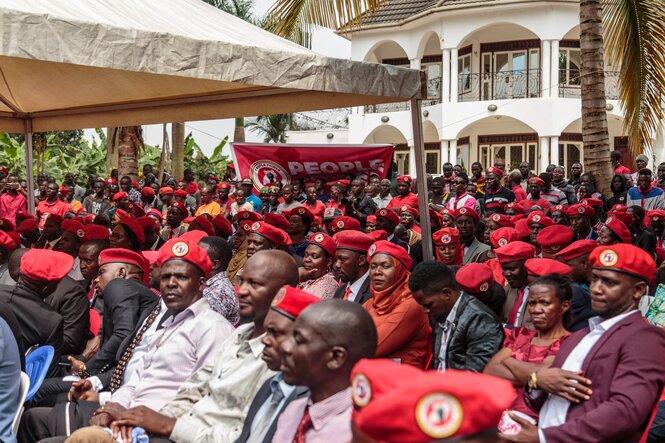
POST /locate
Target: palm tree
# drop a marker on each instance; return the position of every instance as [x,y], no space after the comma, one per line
[128,142]
[273,127]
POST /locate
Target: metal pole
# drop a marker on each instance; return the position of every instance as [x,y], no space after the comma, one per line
[421,182]
[30,177]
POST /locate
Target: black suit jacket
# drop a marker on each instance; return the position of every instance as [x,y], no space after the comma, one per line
[7,314]
[259,399]
[70,301]
[363,295]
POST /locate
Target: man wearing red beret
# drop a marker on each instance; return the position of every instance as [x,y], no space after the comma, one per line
[126,186]
[477,279]
[351,267]
[314,205]
[512,258]
[70,242]
[496,195]
[387,220]
[466,220]
[404,195]
[535,187]
[580,221]
[604,381]
[264,237]
[174,217]
[51,232]
[300,221]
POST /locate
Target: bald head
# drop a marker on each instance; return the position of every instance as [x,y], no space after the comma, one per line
[14,263]
[277,265]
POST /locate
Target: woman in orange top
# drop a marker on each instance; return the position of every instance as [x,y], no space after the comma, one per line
[403,328]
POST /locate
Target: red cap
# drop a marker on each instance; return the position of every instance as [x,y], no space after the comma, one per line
[554,238]
[290,301]
[502,236]
[181,207]
[224,185]
[230,166]
[577,249]
[46,265]
[540,218]
[405,179]
[246,226]
[138,211]
[55,218]
[377,234]
[8,242]
[353,240]
[249,215]
[619,228]
[148,223]
[133,226]
[205,224]
[502,220]
[122,255]
[593,202]
[624,216]
[223,224]
[475,278]
[324,241]
[470,212]
[344,223]
[75,227]
[371,379]
[515,251]
[346,183]
[165,190]
[119,196]
[386,247]
[446,236]
[623,257]
[156,214]
[301,211]
[515,206]
[273,234]
[180,193]
[147,191]
[27,225]
[277,220]
[493,170]
[179,249]
[543,266]
[93,232]
[431,406]
[536,181]
[580,209]
[388,214]
[619,207]
[410,210]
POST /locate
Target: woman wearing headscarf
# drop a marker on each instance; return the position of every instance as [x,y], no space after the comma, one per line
[619,191]
[404,333]
[449,250]
[316,276]
[239,251]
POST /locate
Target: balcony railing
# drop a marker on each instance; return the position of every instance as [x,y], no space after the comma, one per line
[433,97]
[503,85]
[569,84]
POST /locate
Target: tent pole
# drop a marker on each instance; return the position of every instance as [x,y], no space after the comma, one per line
[30,177]
[421,181]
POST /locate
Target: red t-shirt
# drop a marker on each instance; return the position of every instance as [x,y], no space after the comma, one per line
[44,208]
[621,169]
[11,204]
[397,202]
[317,208]
[520,193]
[528,204]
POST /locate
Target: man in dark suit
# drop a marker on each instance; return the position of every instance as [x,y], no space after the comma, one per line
[606,379]
[275,394]
[71,302]
[387,220]
[351,265]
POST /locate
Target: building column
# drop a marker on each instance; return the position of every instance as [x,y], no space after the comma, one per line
[454,78]
[452,156]
[554,150]
[415,63]
[444,151]
[554,69]
[445,76]
[412,162]
[544,149]
[545,70]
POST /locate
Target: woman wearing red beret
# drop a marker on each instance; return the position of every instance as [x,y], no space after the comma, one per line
[316,275]
[403,328]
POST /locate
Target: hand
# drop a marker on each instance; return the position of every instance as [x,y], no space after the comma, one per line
[76,364]
[91,347]
[102,419]
[153,422]
[125,432]
[305,274]
[90,396]
[569,385]
[79,388]
[528,433]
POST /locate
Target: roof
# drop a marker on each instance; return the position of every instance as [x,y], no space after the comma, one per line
[397,10]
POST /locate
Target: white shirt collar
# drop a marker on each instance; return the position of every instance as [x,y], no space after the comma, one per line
[598,323]
[356,285]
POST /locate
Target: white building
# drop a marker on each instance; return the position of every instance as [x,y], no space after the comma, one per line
[503,82]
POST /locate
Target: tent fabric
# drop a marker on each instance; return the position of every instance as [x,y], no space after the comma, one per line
[67,64]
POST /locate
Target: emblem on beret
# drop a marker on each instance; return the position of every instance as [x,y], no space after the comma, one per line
[405,208]
[279,297]
[340,224]
[557,208]
[462,211]
[179,249]
[484,287]
[502,242]
[244,214]
[383,212]
[536,218]
[439,415]
[609,220]
[581,209]
[608,258]
[496,217]
[555,247]
[361,390]
[246,227]
[255,226]
[372,250]
[1,222]
[445,239]
[301,211]
[511,205]
[655,218]
[80,232]
[319,238]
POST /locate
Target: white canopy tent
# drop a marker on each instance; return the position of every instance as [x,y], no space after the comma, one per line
[69,64]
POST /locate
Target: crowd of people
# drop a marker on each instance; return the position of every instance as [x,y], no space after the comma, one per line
[205,310]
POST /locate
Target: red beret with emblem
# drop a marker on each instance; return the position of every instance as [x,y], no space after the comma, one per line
[577,249]
[625,258]
[515,251]
[119,196]
[493,170]
[475,278]
[447,211]
[93,232]
[278,220]
[180,207]
[290,301]
[540,218]
[433,407]
[8,242]
[324,241]
[502,220]
[180,193]
[224,185]
[435,217]
[593,202]
[656,215]
[165,190]
[371,379]
[187,250]
[6,224]
[353,240]
[469,212]
[75,227]
[391,249]
[27,225]
[619,228]
[388,214]
[411,210]
[204,223]
[378,234]
[249,215]
[344,223]
[55,218]
[446,236]
[580,209]
[63,190]
[502,236]
[514,206]
[554,238]
[271,233]
[246,226]
[536,181]
[301,211]
[559,208]
[134,227]
[405,179]
[46,265]
[543,266]
[223,224]
[122,255]
[155,214]
[111,181]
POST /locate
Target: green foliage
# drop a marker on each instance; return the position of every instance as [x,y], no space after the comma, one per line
[273,127]
[200,163]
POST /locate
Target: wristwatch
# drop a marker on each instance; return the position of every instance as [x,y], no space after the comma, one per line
[533,380]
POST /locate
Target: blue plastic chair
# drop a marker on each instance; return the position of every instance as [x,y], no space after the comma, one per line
[36,366]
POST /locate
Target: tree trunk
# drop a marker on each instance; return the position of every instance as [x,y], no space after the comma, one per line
[594,115]
[239,133]
[112,141]
[178,149]
[130,142]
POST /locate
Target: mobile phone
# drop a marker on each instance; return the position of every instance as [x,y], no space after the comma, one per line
[65,364]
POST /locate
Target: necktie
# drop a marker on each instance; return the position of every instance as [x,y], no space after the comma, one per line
[304,426]
[266,419]
[515,310]
[347,293]
[119,371]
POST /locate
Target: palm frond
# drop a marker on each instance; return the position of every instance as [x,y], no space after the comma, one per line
[635,40]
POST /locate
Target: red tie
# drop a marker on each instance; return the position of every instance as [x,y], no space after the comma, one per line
[304,426]
[516,307]
[347,293]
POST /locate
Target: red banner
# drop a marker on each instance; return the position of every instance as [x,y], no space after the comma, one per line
[269,162]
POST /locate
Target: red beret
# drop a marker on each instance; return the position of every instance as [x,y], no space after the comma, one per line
[405,179]
[301,211]
[136,210]
[656,215]
[554,238]
[156,214]
[514,206]
[55,218]
[410,210]
[147,191]
[194,236]
[624,216]
[246,226]
[63,190]
[27,225]
[377,234]
[135,184]
[249,215]
[593,202]
[224,185]
[148,223]
[277,220]
[93,232]
[290,301]
[22,215]
[432,407]
[75,227]
[353,240]
[111,181]
[119,196]
[223,224]
[580,209]
[577,249]
[536,181]
[180,193]
[151,256]
[165,190]
[543,266]
[515,251]
[447,211]
[619,228]
[433,215]
[372,219]
[15,236]
[46,265]
[475,278]
[540,218]
[133,226]
[181,207]
[619,207]
[205,224]
[559,208]
[271,233]
[502,236]
[230,166]
[8,242]
[344,223]
[187,250]
[493,170]
[446,236]
[623,257]
[522,226]
[344,182]
[6,224]
[388,214]
[324,241]
[469,212]
[371,379]
[502,220]
[396,252]
[122,255]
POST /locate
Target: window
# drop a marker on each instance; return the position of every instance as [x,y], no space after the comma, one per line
[569,153]
[464,73]
[432,162]
[433,71]
[402,160]
[569,67]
